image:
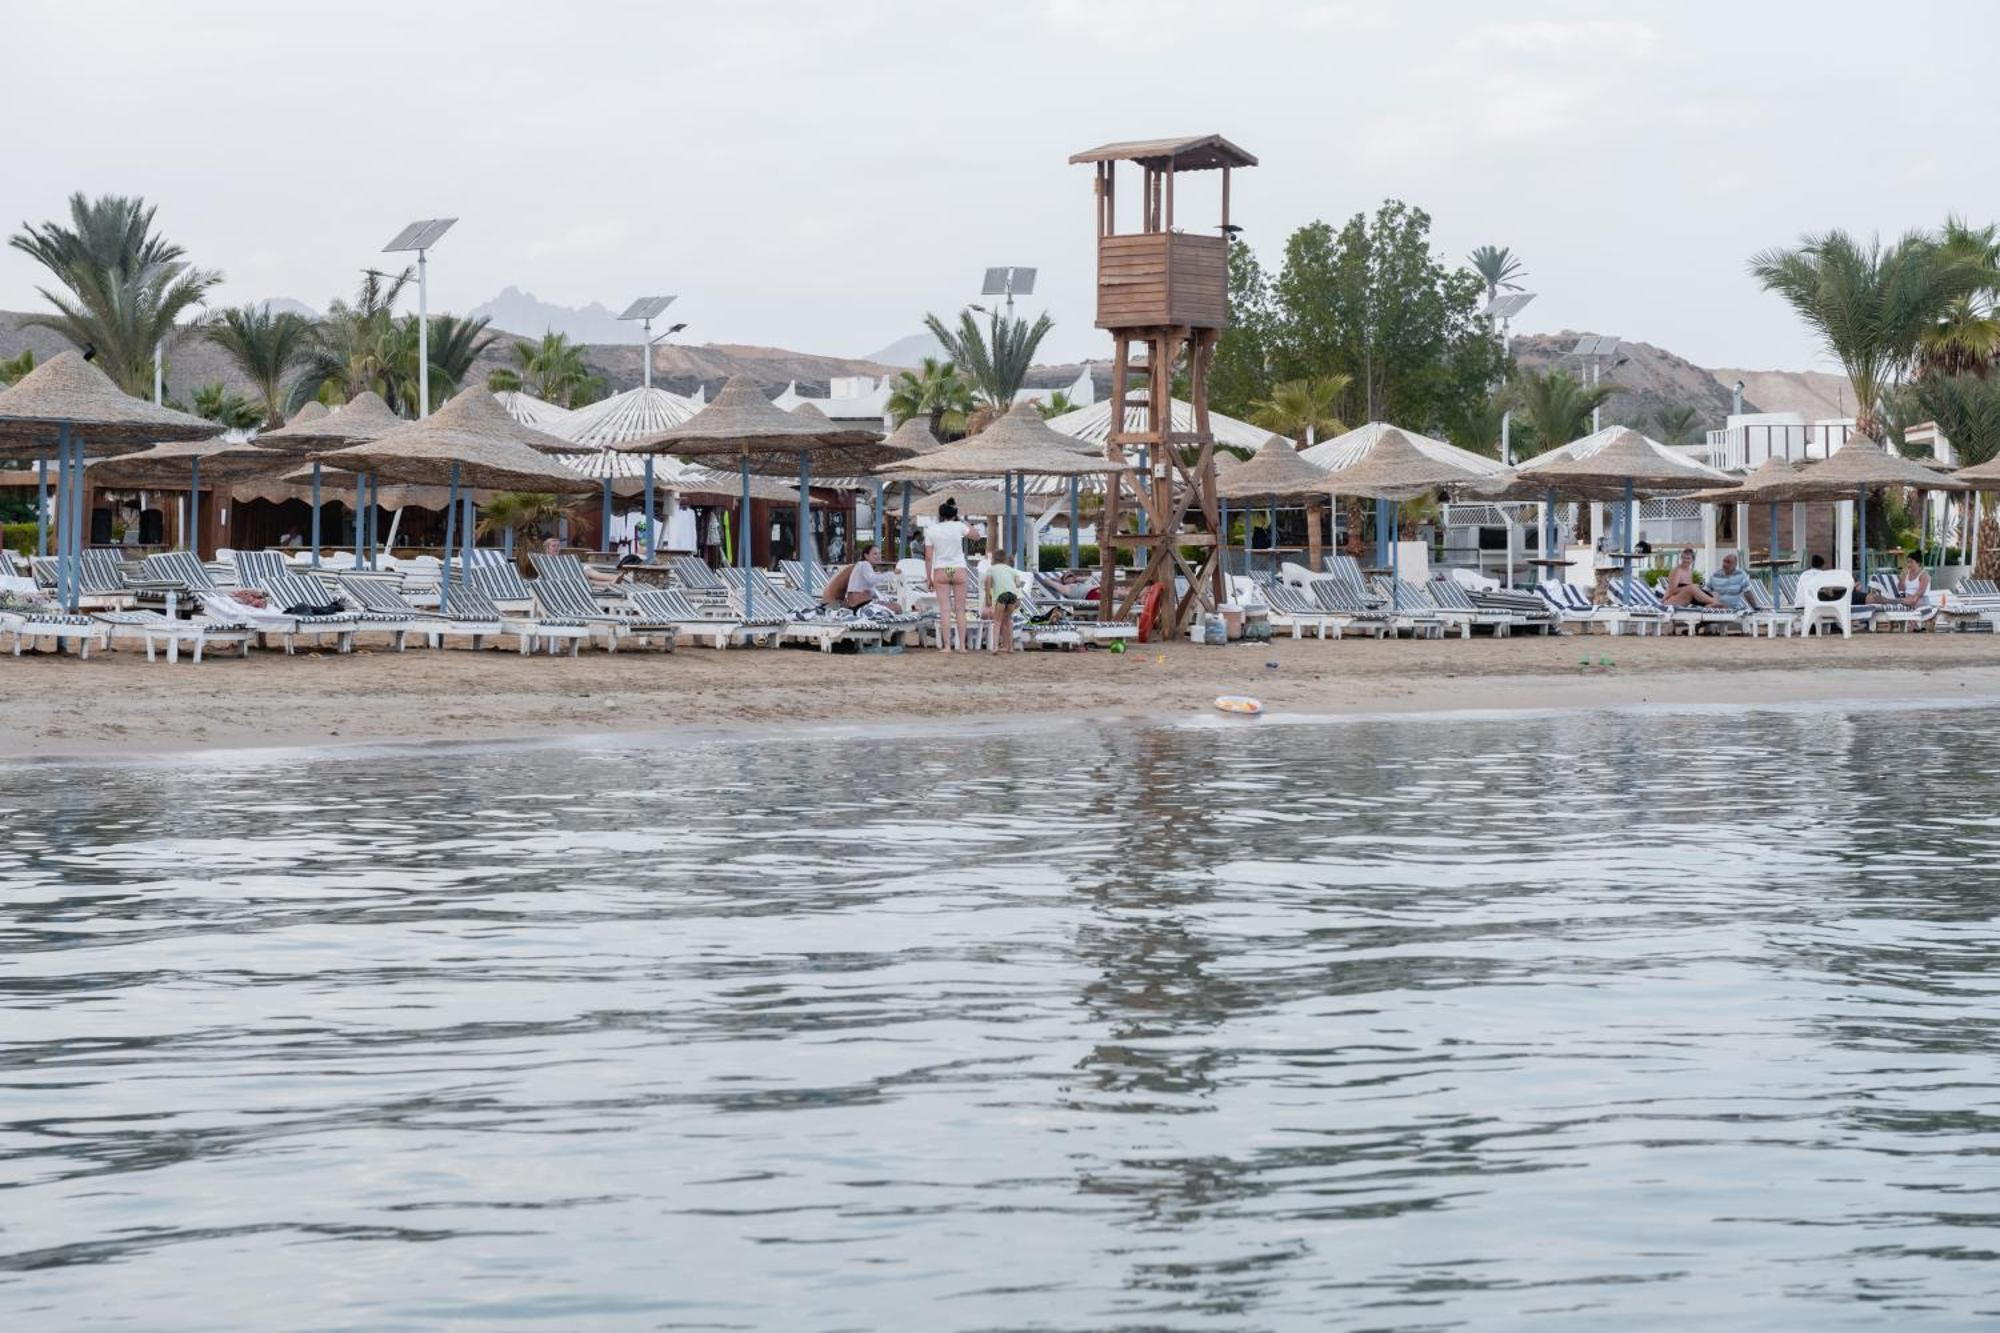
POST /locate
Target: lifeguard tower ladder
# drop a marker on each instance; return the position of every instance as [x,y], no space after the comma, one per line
[1166,292]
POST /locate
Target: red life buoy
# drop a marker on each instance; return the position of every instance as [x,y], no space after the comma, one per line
[1149,612]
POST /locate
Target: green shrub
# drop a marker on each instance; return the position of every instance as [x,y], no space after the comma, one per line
[1655,577]
[1055,555]
[18,537]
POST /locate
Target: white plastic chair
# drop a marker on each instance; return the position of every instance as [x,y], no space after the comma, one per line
[1814,612]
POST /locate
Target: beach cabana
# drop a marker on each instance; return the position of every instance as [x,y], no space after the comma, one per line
[745,426]
[1616,464]
[1277,474]
[463,449]
[361,418]
[1393,469]
[68,410]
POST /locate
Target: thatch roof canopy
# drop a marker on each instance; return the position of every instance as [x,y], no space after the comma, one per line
[68,389]
[1018,441]
[743,425]
[1598,466]
[362,417]
[171,466]
[1862,464]
[1394,468]
[1275,473]
[487,454]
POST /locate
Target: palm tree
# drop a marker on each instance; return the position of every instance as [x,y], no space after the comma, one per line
[937,392]
[1478,425]
[10,371]
[1965,339]
[226,407]
[1497,268]
[553,370]
[1870,305]
[351,347]
[123,285]
[1302,408]
[532,514]
[266,346]
[1966,409]
[1556,406]
[1055,405]
[996,359]
[1677,422]
[455,345]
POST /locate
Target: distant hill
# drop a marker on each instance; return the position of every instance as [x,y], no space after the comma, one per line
[1650,379]
[593,323]
[1813,393]
[909,353]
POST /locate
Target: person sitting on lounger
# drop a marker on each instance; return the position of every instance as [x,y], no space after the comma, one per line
[1681,589]
[1731,586]
[860,584]
[1911,588]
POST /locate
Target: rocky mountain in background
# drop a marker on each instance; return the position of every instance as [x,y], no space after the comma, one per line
[532,317]
[1649,380]
[1813,393]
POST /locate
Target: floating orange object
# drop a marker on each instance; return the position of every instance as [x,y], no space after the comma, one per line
[1238,703]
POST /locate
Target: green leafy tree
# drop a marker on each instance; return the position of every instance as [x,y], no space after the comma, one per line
[1870,304]
[552,369]
[455,345]
[122,286]
[1556,407]
[1298,409]
[996,359]
[1371,301]
[935,391]
[1241,372]
[226,407]
[11,371]
[267,347]
[1497,268]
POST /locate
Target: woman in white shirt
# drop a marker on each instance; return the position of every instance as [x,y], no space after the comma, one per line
[945,567]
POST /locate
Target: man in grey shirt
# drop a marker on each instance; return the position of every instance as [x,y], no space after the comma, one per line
[1730,586]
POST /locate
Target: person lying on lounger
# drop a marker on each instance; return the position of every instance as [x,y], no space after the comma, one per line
[1681,588]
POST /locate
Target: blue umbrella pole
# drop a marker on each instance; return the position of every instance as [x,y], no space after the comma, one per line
[652,545]
[1075,506]
[743,545]
[1625,521]
[805,542]
[904,534]
[450,541]
[42,507]
[315,517]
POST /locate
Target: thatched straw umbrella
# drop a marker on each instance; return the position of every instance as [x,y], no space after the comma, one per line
[742,424]
[1859,468]
[529,410]
[69,410]
[915,436]
[465,448]
[1394,469]
[1277,474]
[1351,447]
[1018,444]
[187,463]
[1770,483]
[1615,464]
[361,418]
[631,415]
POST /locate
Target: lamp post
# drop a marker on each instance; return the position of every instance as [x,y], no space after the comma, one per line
[420,236]
[645,310]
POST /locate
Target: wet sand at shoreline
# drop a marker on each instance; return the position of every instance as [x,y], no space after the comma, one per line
[119,703]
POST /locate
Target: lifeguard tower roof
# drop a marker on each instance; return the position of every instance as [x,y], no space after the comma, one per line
[1199,153]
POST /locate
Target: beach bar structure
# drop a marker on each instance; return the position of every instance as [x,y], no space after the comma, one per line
[1163,292]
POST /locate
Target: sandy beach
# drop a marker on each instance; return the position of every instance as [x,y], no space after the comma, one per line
[119,703]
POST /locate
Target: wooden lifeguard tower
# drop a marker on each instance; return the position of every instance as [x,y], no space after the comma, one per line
[1165,291]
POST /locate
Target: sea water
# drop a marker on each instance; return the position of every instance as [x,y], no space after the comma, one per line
[1607,1021]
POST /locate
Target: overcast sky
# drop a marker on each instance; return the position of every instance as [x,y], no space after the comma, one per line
[816,176]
